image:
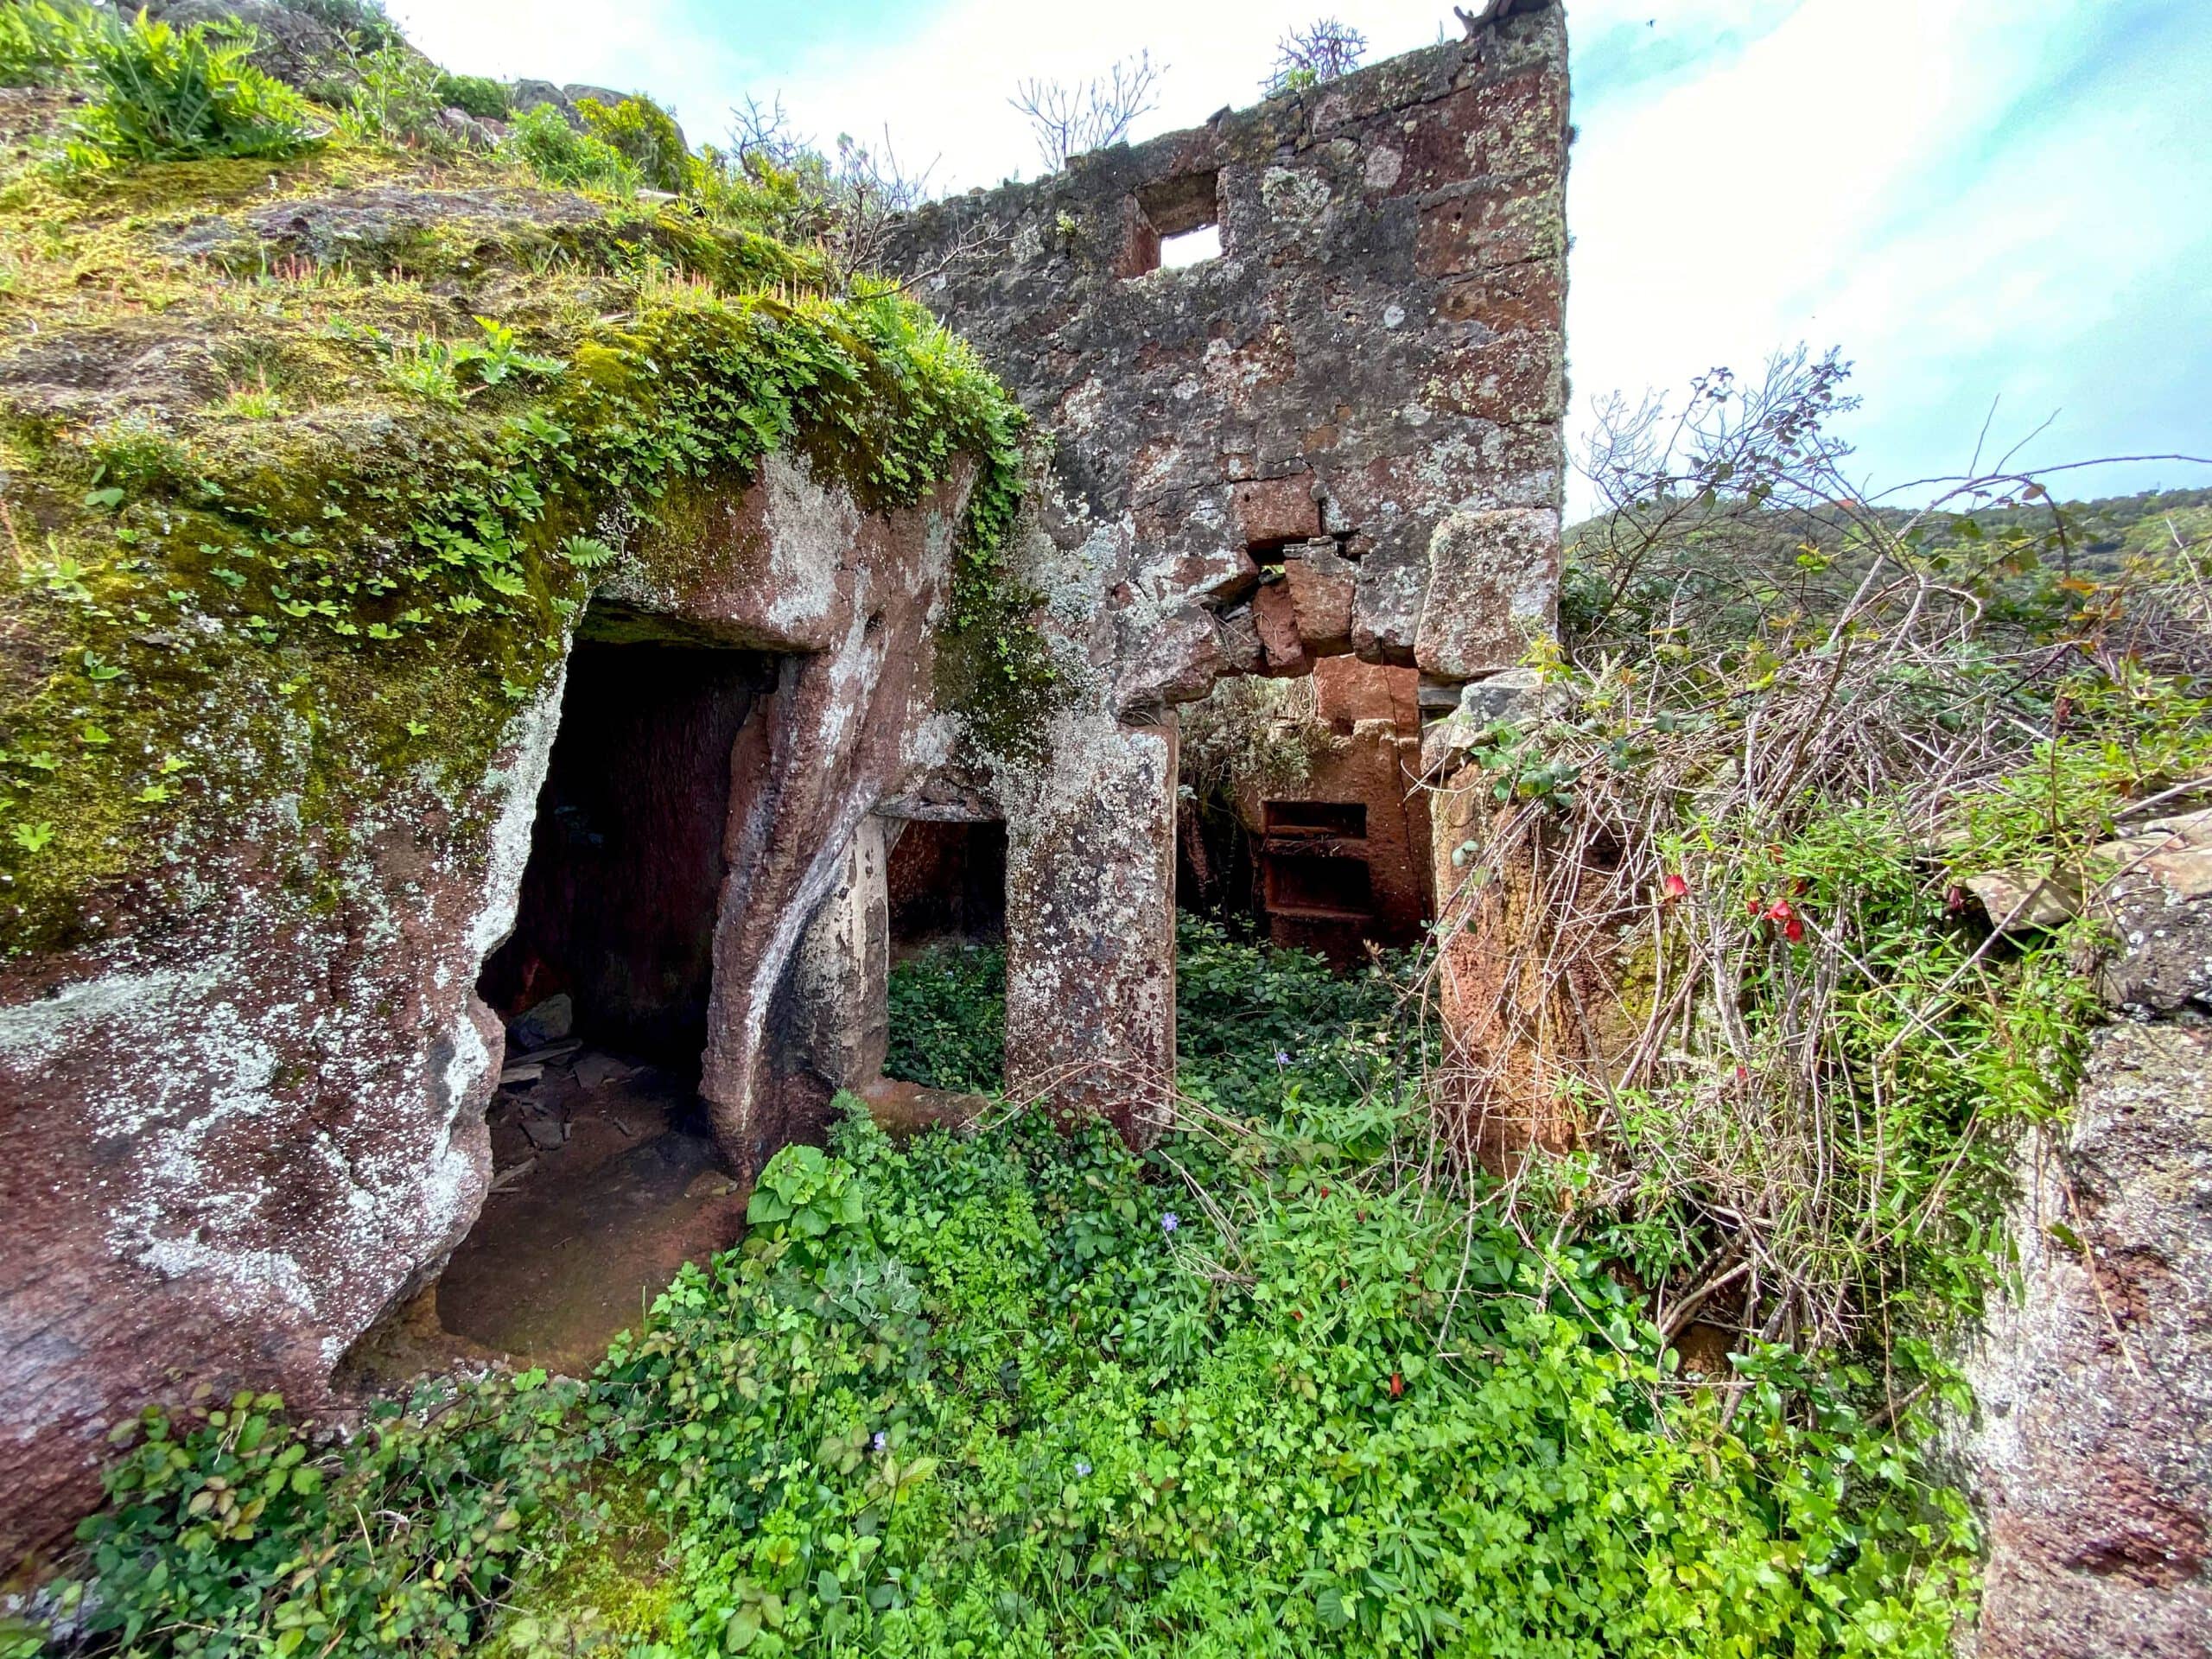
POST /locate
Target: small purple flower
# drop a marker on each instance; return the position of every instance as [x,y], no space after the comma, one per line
[1170,1222]
[1282,1056]
[1082,1469]
[880,1441]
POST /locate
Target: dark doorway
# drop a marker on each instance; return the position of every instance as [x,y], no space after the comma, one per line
[625,863]
[604,1181]
[947,880]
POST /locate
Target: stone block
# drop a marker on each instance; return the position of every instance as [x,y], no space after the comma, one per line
[1275,614]
[1273,510]
[1493,586]
[1321,583]
[1485,229]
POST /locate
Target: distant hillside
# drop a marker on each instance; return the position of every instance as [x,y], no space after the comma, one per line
[1727,563]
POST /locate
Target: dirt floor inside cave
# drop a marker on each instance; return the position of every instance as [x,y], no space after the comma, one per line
[604,1184]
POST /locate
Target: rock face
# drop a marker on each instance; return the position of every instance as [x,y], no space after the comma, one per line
[2091,1459]
[238,1128]
[1361,393]
[227,1146]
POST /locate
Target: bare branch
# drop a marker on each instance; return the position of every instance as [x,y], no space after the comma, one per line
[1069,120]
[1314,55]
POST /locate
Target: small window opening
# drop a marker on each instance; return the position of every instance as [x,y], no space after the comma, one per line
[1347,819]
[1174,223]
[1191,248]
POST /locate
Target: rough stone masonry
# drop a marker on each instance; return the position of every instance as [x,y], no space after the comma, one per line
[1341,434]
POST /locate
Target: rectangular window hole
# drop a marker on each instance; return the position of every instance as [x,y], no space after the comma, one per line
[1346,818]
[1174,223]
[1191,248]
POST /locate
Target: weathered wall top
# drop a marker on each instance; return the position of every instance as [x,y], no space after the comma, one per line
[1365,386]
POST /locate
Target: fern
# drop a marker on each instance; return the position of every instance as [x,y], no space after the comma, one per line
[40,44]
[171,95]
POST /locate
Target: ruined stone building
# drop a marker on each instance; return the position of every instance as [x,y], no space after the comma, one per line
[245,1091]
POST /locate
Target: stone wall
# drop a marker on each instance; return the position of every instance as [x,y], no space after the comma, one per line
[2090,1460]
[1362,392]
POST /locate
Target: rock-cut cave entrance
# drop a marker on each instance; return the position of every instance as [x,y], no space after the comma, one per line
[604,1179]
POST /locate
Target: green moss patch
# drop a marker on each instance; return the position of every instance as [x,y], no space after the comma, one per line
[309,468]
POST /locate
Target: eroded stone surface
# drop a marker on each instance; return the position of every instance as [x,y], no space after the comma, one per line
[1375,358]
[2091,1459]
[228,1146]
[225,1149]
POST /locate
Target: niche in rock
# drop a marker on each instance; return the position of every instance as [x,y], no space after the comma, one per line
[946,880]
[605,1181]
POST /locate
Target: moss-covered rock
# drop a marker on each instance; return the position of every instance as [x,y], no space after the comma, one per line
[336,446]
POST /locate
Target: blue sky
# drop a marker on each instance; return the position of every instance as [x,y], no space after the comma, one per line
[1981,201]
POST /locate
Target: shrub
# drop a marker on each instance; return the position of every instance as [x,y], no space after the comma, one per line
[647,135]
[169,96]
[397,97]
[948,1018]
[363,20]
[39,44]
[545,143]
[477,95]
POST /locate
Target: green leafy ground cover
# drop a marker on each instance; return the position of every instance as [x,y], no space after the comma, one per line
[948,1017]
[1275,1386]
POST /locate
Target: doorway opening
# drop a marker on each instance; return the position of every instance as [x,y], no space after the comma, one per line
[946,888]
[1300,818]
[605,1181]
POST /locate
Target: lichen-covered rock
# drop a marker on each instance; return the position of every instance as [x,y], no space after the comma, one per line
[302,546]
[2090,1457]
[1364,387]
[291,43]
[1375,354]
[2091,1461]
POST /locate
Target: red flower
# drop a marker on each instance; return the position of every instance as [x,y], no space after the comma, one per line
[1397,1385]
[1792,928]
[1673,887]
